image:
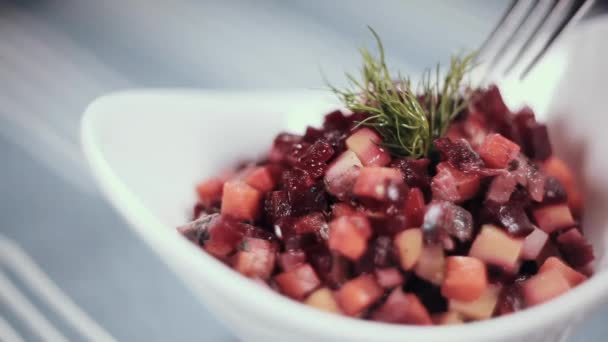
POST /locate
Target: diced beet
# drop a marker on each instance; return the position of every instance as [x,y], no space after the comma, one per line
[198,210]
[389,277]
[539,147]
[364,142]
[241,201]
[450,184]
[415,172]
[511,215]
[342,209]
[575,248]
[553,217]
[336,120]
[415,208]
[554,191]
[493,246]
[282,146]
[323,299]
[574,278]
[501,188]
[255,258]
[403,308]
[304,193]
[408,245]
[497,151]
[291,259]
[358,294]
[443,219]
[210,191]
[381,248]
[534,244]
[342,174]
[465,278]
[544,286]
[510,300]
[332,268]
[447,318]
[348,235]
[490,103]
[276,205]
[298,282]
[481,308]
[263,178]
[459,154]
[379,183]
[428,293]
[314,157]
[430,265]
[557,168]
[311,223]
[222,237]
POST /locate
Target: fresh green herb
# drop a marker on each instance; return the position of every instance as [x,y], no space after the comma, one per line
[408,118]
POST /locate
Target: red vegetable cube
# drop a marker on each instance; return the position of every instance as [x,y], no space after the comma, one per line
[465,278]
[494,246]
[241,201]
[323,299]
[408,245]
[224,236]
[479,309]
[553,217]
[389,277]
[501,188]
[210,191]
[359,294]
[311,223]
[348,235]
[364,142]
[414,207]
[552,263]
[298,282]
[497,151]
[373,181]
[544,286]
[342,209]
[342,173]
[402,308]
[451,184]
[431,264]
[256,258]
[263,178]
[559,169]
[575,248]
[291,259]
[534,244]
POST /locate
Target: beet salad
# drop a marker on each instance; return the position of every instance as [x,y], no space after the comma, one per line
[433,204]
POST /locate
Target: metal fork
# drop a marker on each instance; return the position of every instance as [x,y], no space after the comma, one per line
[524,34]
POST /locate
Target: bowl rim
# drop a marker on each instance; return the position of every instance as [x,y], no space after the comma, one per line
[271,306]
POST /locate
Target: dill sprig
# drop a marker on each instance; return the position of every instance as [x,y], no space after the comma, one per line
[408,118]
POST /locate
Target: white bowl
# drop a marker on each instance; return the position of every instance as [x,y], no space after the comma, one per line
[148,148]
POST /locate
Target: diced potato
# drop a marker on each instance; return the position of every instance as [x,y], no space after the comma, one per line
[372,181]
[298,282]
[479,309]
[408,245]
[544,286]
[364,142]
[323,299]
[465,280]
[348,235]
[403,308]
[241,201]
[534,244]
[497,151]
[574,278]
[553,217]
[431,264]
[494,246]
[358,294]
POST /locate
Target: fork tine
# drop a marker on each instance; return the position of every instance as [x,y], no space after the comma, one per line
[496,29]
[564,15]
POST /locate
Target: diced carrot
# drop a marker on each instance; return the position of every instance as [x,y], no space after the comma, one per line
[553,217]
[408,245]
[498,151]
[364,142]
[465,280]
[298,282]
[544,286]
[241,201]
[358,294]
[263,178]
[210,191]
[574,278]
[348,235]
